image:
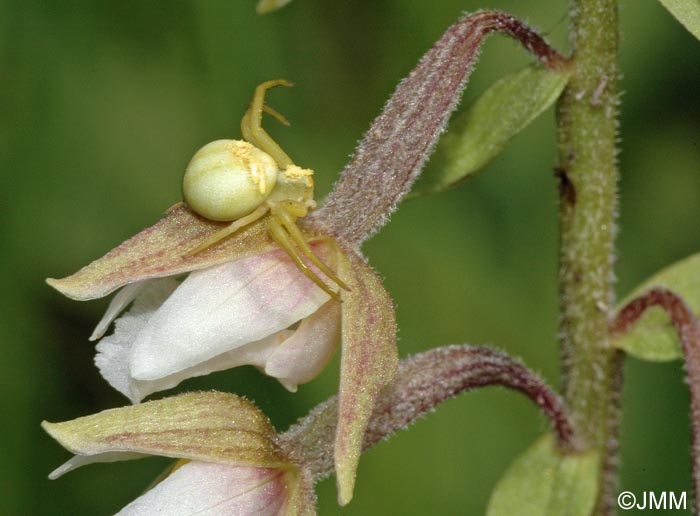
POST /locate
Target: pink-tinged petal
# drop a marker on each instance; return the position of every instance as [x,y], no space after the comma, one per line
[222,308]
[368,363]
[205,426]
[159,251]
[302,356]
[113,360]
[226,316]
[199,488]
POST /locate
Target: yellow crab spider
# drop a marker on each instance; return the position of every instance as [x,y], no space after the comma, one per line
[240,181]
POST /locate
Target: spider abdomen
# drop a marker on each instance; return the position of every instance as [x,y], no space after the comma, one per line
[227,179]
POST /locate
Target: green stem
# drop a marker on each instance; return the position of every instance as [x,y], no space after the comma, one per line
[587,126]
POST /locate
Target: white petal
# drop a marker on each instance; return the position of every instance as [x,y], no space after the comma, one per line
[81,460]
[113,352]
[220,309]
[119,302]
[214,490]
[302,357]
[255,353]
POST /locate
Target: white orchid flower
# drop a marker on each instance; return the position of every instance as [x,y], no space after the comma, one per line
[242,302]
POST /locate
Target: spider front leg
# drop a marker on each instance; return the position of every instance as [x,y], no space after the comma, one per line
[251,123]
[283,228]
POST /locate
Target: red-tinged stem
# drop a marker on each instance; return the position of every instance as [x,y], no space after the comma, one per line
[392,153]
[686,324]
[422,382]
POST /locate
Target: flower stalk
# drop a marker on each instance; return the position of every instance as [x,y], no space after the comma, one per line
[422,382]
[588,175]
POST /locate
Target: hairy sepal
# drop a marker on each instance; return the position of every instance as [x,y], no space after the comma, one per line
[159,251]
[203,426]
[368,363]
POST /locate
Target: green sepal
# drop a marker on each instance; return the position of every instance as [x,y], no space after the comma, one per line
[159,251]
[546,482]
[687,12]
[483,130]
[653,337]
[368,363]
[205,426]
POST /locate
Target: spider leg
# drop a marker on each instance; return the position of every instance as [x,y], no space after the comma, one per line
[286,243]
[228,230]
[276,114]
[295,233]
[251,123]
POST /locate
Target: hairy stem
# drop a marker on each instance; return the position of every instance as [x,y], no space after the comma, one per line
[422,382]
[587,171]
[686,324]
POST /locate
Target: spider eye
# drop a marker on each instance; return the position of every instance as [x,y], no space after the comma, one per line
[227,179]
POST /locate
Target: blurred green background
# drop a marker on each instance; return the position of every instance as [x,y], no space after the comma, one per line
[102,105]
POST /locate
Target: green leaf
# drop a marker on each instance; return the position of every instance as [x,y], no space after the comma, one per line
[484,129]
[653,337]
[543,482]
[267,6]
[687,12]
